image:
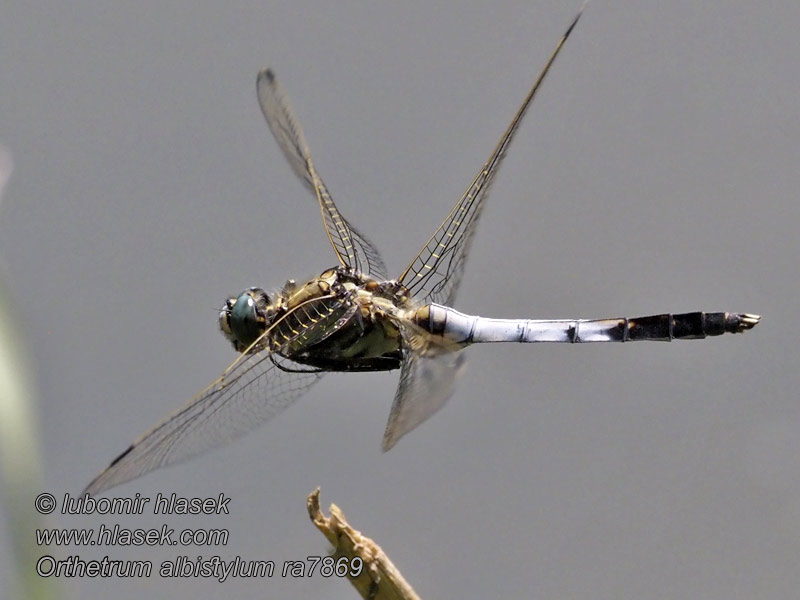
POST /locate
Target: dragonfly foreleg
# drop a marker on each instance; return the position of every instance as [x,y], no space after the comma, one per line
[279,364]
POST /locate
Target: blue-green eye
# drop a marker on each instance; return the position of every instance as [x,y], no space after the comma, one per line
[243,319]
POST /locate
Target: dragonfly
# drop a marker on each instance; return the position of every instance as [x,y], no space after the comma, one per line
[352,317]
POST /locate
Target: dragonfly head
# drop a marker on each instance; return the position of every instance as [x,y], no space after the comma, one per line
[243,319]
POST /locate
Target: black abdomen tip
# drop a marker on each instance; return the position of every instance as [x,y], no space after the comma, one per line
[739,322]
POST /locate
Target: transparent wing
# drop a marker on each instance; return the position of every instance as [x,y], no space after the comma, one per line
[435,273]
[427,380]
[352,249]
[252,391]
[259,385]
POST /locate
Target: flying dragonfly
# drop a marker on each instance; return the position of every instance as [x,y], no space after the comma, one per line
[352,317]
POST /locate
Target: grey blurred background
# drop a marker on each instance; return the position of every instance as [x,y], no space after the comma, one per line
[657,171]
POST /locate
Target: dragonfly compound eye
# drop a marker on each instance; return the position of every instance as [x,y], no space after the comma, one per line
[246,319]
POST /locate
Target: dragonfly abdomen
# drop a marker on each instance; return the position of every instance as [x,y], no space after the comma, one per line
[468,329]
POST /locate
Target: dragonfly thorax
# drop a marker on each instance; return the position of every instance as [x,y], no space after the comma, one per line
[338,320]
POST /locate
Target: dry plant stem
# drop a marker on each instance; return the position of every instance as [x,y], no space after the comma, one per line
[379,578]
